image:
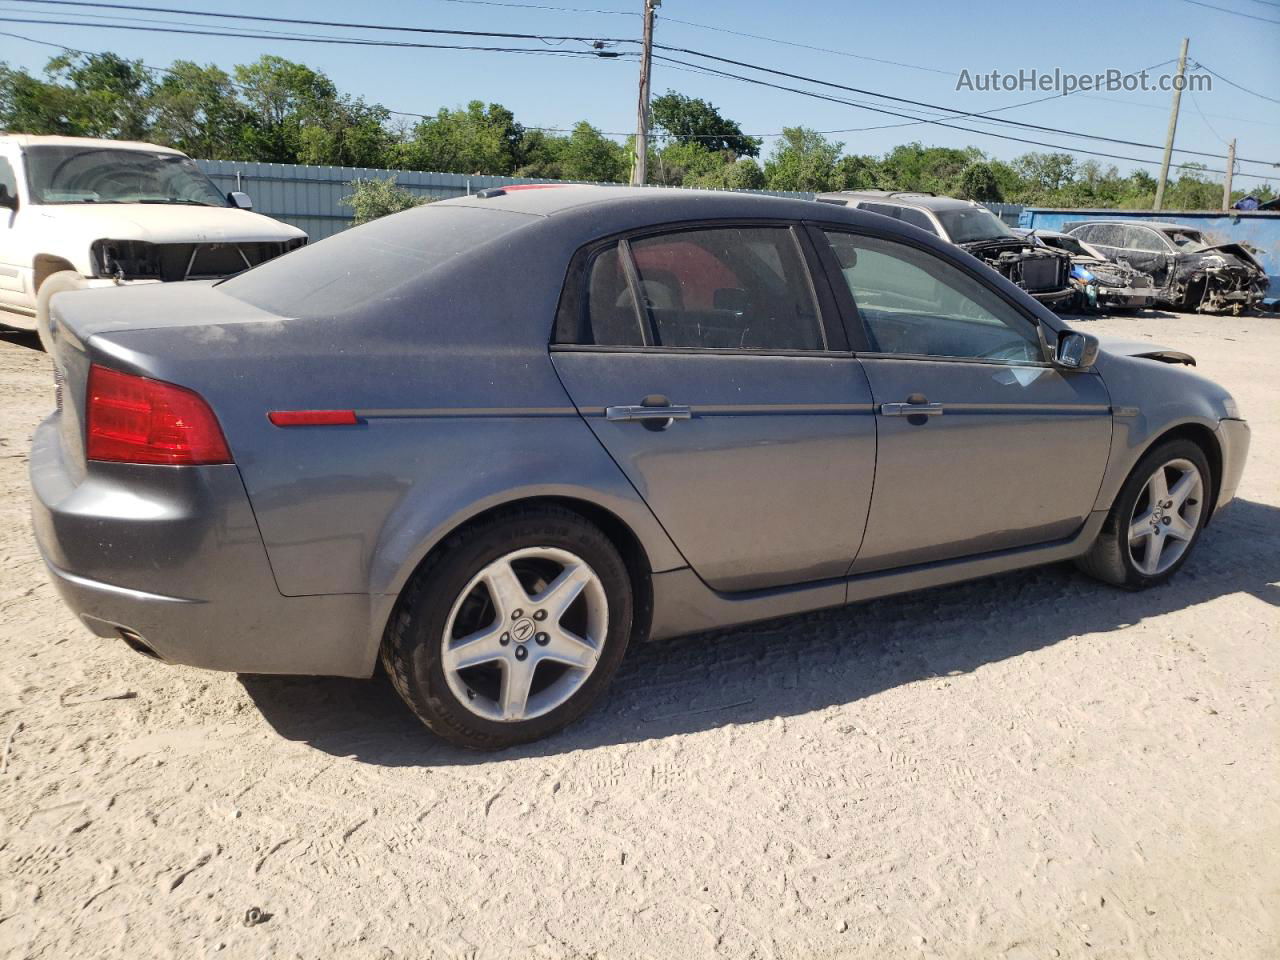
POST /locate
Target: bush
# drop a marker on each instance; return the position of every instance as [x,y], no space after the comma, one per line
[373,198]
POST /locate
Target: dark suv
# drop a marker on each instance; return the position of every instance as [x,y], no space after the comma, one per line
[1043,273]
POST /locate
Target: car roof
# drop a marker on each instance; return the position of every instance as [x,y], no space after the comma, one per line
[34,140]
[659,203]
[1159,225]
[903,197]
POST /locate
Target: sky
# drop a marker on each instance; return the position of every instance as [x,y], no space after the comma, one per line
[930,44]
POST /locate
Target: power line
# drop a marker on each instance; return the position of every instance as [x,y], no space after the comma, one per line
[98,5]
[960,114]
[711,71]
[1236,13]
[347,41]
[1232,83]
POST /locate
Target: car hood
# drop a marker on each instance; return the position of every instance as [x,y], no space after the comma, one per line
[1144,348]
[164,223]
[1225,251]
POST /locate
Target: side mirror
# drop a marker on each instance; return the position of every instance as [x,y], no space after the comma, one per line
[7,199]
[1076,351]
[237,199]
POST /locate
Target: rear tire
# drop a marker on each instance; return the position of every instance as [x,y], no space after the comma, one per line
[1156,520]
[512,629]
[53,284]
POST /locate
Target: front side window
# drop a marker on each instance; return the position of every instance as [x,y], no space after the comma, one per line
[62,174]
[913,303]
[738,288]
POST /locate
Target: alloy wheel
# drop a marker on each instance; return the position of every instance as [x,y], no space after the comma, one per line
[524,634]
[1166,517]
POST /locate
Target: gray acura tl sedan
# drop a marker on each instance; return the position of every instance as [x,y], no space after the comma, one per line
[492,440]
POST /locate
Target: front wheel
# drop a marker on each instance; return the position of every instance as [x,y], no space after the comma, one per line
[1156,520]
[512,630]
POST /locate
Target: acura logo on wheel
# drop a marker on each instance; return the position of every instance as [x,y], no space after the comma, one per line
[523,630]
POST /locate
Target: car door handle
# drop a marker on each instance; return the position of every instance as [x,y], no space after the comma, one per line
[911,409]
[668,413]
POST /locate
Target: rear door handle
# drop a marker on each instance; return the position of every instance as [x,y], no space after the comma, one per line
[911,409]
[668,413]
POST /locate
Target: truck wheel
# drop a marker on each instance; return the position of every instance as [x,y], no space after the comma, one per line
[53,284]
[512,630]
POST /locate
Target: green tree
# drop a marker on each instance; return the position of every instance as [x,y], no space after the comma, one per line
[198,110]
[589,155]
[32,105]
[692,121]
[373,198]
[680,161]
[856,172]
[978,181]
[473,139]
[744,174]
[802,159]
[298,116]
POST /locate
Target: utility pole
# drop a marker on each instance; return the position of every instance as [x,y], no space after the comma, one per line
[1173,122]
[640,163]
[1231,166]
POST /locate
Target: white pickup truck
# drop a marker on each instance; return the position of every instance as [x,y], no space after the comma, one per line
[104,212]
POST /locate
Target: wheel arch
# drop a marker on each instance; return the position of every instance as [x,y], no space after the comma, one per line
[618,531]
[1202,436]
[45,265]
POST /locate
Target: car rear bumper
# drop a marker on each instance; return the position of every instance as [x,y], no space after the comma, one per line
[170,560]
[1233,440]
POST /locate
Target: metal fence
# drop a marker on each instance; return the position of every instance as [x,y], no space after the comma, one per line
[310,197]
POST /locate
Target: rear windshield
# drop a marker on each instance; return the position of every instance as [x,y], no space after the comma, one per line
[365,263]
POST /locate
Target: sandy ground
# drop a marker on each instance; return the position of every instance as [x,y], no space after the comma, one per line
[1031,766]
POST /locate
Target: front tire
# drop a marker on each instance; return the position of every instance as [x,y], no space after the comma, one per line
[1156,520]
[512,629]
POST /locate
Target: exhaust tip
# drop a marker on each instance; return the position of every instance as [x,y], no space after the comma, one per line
[134,642]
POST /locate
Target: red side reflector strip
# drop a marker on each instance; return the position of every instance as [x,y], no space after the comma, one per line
[312,418]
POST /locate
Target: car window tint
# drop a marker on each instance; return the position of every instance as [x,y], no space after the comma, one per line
[884,209]
[914,303]
[743,288]
[919,219]
[612,318]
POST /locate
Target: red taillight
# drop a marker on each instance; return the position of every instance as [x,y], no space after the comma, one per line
[136,420]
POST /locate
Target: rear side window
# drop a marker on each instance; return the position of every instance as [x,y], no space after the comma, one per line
[737,288]
[918,219]
[366,263]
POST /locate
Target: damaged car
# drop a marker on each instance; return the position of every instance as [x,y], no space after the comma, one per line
[1100,283]
[1043,272]
[1190,272]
